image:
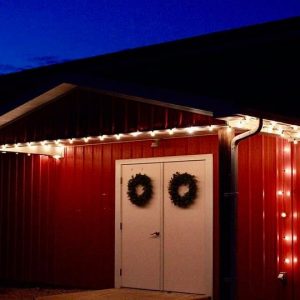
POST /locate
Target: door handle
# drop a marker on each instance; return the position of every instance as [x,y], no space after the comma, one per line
[155,234]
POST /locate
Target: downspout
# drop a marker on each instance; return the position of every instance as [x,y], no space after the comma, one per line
[234,153]
[234,191]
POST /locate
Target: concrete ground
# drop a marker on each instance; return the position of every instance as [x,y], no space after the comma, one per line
[109,294]
[12,293]
[124,294]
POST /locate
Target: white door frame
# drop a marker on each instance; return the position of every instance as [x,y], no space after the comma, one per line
[118,165]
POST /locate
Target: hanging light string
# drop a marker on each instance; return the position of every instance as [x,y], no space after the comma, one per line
[192,130]
[285,130]
[239,123]
[284,197]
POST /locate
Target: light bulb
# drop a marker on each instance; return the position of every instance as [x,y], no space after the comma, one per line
[191,129]
[283,214]
[136,133]
[171,131]
[229,129]
[287,260]
[241,124]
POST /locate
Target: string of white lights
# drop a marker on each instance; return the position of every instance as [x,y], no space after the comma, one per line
[111,138]
[239,123]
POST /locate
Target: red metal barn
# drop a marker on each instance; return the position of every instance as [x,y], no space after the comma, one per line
[60,217]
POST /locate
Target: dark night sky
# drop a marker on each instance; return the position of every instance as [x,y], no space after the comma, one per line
[37,32]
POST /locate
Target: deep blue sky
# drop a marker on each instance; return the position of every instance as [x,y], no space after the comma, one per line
[37,32]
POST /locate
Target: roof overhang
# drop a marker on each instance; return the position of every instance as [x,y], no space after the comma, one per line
[54,147]
[34,104]
[68,105]
[236,71]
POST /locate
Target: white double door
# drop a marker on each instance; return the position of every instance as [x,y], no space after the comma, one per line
[163,246]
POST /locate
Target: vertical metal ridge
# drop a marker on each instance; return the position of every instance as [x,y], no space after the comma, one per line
[15,217]
[296,210]
[38,212]
[264,214]
[31,248]
[8,217]
[23,220]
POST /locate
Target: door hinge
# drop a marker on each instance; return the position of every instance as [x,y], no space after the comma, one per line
[121,180]
[120,272]
[121,226]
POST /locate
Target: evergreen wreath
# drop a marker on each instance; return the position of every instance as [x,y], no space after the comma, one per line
[176,182]
[144,181]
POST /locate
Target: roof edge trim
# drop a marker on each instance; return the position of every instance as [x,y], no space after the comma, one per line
[152,101]
[35,103]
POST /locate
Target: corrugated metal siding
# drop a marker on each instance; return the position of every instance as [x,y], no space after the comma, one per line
[268,180]
[81,113]
[57,217]
[26,217]
[284,203]
[296,218]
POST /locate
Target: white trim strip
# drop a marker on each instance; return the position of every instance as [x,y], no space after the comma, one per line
[35,103]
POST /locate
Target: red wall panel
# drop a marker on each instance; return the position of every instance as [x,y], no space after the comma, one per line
[57,216]
[267,245]
[82,112]
[296,219]
[26,217]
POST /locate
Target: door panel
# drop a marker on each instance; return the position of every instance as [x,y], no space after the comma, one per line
[188,235]
[180,258]
[141,251]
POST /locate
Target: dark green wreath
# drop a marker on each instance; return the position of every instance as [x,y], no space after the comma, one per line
[178,180]
[145,182]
